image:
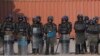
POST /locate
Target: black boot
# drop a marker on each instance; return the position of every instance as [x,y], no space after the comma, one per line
[92,49]
[96,49]
[47,48]
[34,51]
[84,47]
[37,51]
[52,50]
[77,49]
[81,48]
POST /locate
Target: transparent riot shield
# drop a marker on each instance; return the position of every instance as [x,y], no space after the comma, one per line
[8,45]
[65,43]
[22,45]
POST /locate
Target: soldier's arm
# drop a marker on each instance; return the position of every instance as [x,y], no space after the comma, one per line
[70,27]
[28,33]
[44,32]
[3,26]
[16,28]
[29,29]
[2,32]
[59,28]
[45,28]
[15,33]
[74,25]
[55,27]
[42,28]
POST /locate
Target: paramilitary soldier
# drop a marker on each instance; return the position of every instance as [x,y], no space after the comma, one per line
[80,35]
[1,34]
[23,32]
[50,30]
[86,22]
[64,30]
[37,35]
[96,21]
[93,32]
[8,28]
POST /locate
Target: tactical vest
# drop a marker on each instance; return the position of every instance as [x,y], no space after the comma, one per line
[99,27]
[51,30]
[64,28]
[22,27]
[8,26]
[37,29]
[80,27]
[93,29]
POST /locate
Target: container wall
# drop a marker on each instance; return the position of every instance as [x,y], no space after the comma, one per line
[56,8]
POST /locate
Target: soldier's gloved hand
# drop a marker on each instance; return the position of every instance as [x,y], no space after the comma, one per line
[28,41]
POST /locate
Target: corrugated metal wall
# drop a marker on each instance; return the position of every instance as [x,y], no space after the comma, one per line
[44,8]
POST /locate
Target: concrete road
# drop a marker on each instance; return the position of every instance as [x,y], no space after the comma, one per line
[71,50]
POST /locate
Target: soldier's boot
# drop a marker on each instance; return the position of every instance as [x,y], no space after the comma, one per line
[41,49]
[37,51]
[91,49]
[96,49]
[85,48]
[52,50]
[77,49]
[81,48]
[34,51]
[47,49]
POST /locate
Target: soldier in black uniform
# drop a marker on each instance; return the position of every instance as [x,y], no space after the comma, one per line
[86,22]
[50,30]
[80,35]
[64,30]
[8,28]
[93,32]
[37,35]
[1,34]
[23,32]
[96,21]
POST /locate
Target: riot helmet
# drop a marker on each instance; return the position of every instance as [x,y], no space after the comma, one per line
[86,19]
[22,19]
[9,18]
[37,19]
[91,22]
[64,19]
[80,17]
[50,19]
[96,19]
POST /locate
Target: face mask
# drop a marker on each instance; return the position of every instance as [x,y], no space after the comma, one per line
[50,21]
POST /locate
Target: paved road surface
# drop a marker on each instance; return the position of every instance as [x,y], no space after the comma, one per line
[72,50]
